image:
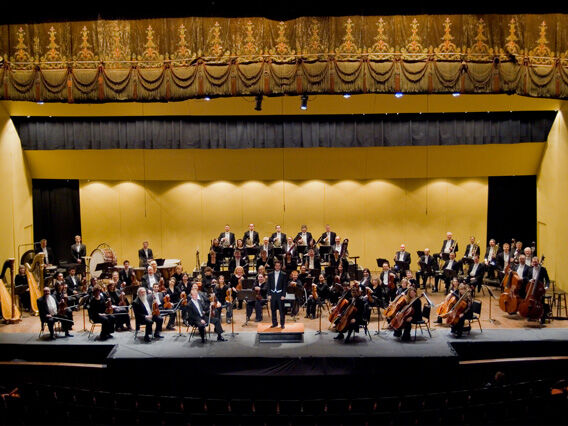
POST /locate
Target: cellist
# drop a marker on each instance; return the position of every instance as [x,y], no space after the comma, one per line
[404,331]
[465,296]
[454,293]
[357,316]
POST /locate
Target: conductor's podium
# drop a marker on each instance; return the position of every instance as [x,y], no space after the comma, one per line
[291,333]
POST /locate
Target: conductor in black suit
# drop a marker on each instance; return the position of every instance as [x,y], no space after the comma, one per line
[145,254]
[277,285]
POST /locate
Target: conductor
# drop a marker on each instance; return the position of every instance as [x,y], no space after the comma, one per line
[277,284]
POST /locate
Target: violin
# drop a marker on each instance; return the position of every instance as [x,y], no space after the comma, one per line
[162,287]
[229,295]
[155,308]
[167,302]
[257,296]
[396,305]
[109,309]
[183,298]
[62,307]
[531,307]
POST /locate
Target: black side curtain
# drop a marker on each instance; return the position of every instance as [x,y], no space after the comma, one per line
[57,215]
[43,133]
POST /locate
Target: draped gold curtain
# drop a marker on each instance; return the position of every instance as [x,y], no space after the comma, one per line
[181,58]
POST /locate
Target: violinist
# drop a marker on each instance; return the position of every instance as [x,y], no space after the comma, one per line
[428,267]
[453,293]
[238,278]
[357,318]
[311,262]
[290,248]
[290,263]
[260,289]
[475,275]
[142,306]
[222,289]
[238,261]
[120,304]
[465,296]
[214,260]
[199,316]
[416,307]
[491,259]
[48,314]
[59,286]
[127,275]
[388,280]
[98,313]
[263,260]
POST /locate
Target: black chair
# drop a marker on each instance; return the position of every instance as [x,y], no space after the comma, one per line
[424,321]
[265,407]
[475,315]
[241,406]
[313,407]
[337,406]
[290,407]
[363,405]
[217,406]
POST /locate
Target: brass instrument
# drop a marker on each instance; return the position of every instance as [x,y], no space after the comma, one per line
[248,242]
[277,243]
[475,248]
[225,243]
[453,247]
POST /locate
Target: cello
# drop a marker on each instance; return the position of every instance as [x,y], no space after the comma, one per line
[446,306]
[532,307]
[406,311]
[459,308]
[339,308]
[395,305]
[346,316]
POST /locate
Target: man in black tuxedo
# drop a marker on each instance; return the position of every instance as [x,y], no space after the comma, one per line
[476,272]
[145,254]
[47,307]
[143,313]
[539,273]
[277,286]
[303,238]
[238,260]
[402,256]
[328,237]
[198,315]
[227,237]
[451,264]
[78,250]
[428,267]
[125,275]
[523,270]
[311,261]
[504,257]
[278,235]
[266,246]
[491,259]
[48,257]
[150,278]
[449,244]
[251,237]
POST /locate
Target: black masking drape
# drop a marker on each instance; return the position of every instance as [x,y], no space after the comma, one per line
[57,215]
[349,131]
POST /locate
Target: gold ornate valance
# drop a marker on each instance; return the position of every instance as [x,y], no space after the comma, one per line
[180,58]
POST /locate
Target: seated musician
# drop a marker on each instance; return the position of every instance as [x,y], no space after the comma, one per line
[221,290]
[259,299]
[49,314]
[312,246]
[145,255]
[328,237]
[491,259]
[142,306]
[178,272]
[120,303]
[78,252]
[518,251]
[237,278]
[184,286]
[198,313]
[336,245]
[475,275]
[149,279]
[379,296]
[358,317]
[522,271]
[227,238]
[386,277]
[206,279]
[528,255]
[539,273]
[451,264]
[343,275]
[296,287]
[467,313]
[402,287]
[216,247]
[263,260]
[266,246]
[453,291]
[289,264]
[428,267]
[411,280]
[48,257]
[22,287]
[290,248]
[73,282]
[60,288]
[126,275]
[311,262]
[335,260]
[366,280]
[504,257]
[157,272]
[449,245]
[98,313]
[304,275]
[402,256]
[471,249]
[278,238]
[404,331]
[323,293]
[251,237]
[238,261]
[303,237]
[240,246]
[174,295]
[214,261]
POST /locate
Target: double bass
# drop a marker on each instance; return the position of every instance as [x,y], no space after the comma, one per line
[532,307]
[509,299]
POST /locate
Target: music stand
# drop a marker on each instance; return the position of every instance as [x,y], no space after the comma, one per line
[380,262]
[104,268]
[325,252]
[401,265]
[491,296]
[228,252]
[160,262]
[420,253]
[244,295]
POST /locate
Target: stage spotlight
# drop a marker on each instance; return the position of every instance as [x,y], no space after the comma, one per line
[398,95]
[207,98]
[258,99]
[455,94]
[304,104]
[347,95]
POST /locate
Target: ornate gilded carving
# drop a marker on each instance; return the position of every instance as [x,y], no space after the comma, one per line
[480,51]
[183,54]
[22,59]
[447,50]
[541,54]
[282,50]
[85,58]
[215,46]
[380,50]
[414,51]
[150,58]
[348,49]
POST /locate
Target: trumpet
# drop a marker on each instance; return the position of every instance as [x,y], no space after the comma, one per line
[453,247]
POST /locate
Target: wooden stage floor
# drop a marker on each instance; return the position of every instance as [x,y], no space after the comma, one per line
[501,320]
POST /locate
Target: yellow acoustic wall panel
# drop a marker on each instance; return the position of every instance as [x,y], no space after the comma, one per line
[552,187]
[181,217]
[16,214]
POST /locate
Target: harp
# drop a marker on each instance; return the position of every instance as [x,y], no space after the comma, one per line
[34,272]
[10,310]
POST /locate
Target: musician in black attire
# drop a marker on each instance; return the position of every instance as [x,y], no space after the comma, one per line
[227,238]
[238,260]
[251,237]
[73,286]
[22,287]
[121,317]
[199,314]
[449,245]
[322,290]
[221,289]
[259,298]
[450,264]
[358,318]
[522,270]
[328,237]
[126,274]
[539,272]
[303,238]
[48,314]
[277,285]
[264,260]
[386,277]
[504,258]
[278,235]
[335,261]
[402,256]
[296,287]
[344,277]
[214,261]
[290,263]
[311,261]
[143,312]
[184,286]
[237,278]
[404,331]
[206,279]
[458,328]
[48,258]
[475,274]
[145,254]
[78,252]
[491,260]
[428,267]
[97,313]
